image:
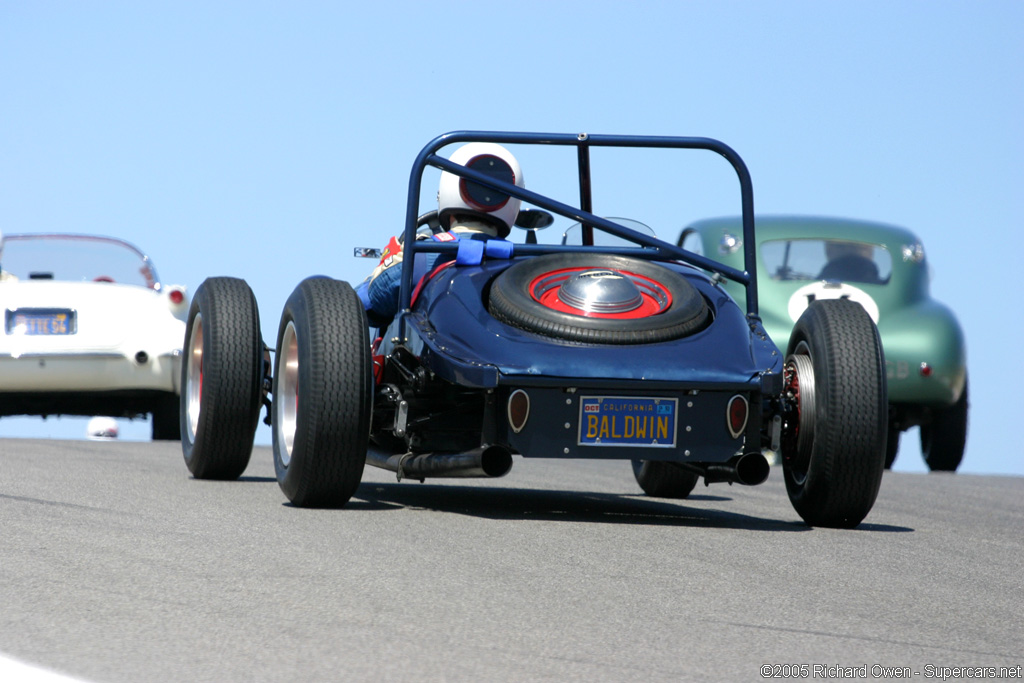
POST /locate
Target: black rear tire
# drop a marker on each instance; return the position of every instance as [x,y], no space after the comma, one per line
[167,418]
[834,448]
[664,479]
[221,376]
[944,439]
[323,392]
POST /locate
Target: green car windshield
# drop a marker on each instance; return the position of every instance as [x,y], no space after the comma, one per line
[819,259]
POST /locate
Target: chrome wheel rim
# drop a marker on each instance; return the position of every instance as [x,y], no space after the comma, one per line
[194,377]
[286,399]
[802,368]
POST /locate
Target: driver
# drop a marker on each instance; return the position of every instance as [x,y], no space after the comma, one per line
[466,210]
[850,262]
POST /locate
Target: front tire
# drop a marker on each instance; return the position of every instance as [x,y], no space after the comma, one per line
[892,446]
[664,479]
[834,444]
[221,377]
[944,439]
[323,391]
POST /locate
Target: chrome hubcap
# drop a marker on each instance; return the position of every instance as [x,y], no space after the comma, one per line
[286,398]
[600,291]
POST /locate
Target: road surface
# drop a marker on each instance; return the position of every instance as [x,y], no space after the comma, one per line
[116,565]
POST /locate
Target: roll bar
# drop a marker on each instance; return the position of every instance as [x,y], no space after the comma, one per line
[650,247]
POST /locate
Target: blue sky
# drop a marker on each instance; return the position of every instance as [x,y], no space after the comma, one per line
[265,140]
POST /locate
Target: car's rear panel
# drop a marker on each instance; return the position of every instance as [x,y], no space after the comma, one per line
[65,337]
[660,401]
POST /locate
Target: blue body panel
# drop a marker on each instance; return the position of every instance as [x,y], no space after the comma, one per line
[475,349]
[699,373]
[557,426]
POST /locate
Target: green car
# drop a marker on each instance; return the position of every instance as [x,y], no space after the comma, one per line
[882,267]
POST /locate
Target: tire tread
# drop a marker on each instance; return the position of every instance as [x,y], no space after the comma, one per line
[848,454]
[332,437]
[232,363]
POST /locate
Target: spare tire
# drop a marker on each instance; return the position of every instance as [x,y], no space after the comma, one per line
[598,299]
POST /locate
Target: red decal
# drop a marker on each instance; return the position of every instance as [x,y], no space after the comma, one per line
[393,249]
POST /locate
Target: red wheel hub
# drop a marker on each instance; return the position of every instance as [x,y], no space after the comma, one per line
[600,293]
[801,414]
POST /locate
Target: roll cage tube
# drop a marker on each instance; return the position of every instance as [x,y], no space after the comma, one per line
[650,247]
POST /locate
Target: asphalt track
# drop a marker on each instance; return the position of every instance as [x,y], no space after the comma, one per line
[116,565]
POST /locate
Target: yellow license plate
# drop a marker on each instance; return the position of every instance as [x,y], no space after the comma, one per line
[628,421]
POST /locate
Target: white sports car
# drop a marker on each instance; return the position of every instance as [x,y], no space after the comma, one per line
[89,329]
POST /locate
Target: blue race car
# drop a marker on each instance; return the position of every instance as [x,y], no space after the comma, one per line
[499,349]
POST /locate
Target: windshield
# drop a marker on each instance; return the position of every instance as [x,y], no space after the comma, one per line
[75,258]
[820,259]
[574,234]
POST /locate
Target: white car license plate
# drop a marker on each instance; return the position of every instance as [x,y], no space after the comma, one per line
[41,321]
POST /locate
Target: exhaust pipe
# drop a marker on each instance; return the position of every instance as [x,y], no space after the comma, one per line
[486,461]
[750,470]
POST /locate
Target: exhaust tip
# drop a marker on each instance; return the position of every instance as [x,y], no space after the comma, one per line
[752,469]
[496,461]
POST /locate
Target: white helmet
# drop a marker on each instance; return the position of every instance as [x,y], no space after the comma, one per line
[457,195]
